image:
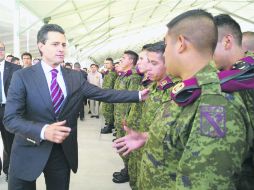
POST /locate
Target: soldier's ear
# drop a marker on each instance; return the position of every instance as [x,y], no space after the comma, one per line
[228,41]
[181,44]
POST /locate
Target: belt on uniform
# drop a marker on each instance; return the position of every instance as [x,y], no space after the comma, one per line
[2,105]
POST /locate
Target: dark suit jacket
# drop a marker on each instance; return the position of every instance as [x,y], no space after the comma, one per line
[29,108]
[9,69]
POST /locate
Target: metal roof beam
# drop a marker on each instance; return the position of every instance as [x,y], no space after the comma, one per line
[97,27]
[233,14]
[46,15]
[90,16]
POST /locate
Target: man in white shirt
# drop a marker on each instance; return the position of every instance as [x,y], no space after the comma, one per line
[95,78]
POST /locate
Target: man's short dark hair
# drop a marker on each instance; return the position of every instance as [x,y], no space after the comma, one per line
[26,54]
[42,35]
[132,55]
[93,64]
[228,24]
[158,47]
[110,59]
[68,64]
[144,47]
[77,65]
[13,59]
[10,56]
[198,27]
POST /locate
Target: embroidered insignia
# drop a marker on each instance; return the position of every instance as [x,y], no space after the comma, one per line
[213,121]
[178,87]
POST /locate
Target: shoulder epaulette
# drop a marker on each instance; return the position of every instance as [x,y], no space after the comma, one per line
[165,84]
[145,81]
[138,71]
[244,63]
[188,91]
[126,74]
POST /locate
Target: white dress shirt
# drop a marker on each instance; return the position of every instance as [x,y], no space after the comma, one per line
[47,71]
[2,83]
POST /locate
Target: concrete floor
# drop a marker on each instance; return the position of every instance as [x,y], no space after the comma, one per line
[97,160]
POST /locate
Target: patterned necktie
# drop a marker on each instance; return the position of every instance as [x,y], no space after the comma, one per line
[57,96]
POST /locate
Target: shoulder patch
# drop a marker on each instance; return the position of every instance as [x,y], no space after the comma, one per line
[213,121]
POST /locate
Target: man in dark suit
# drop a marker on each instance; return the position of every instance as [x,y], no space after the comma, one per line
[41,110]
[77,67]
[6,71]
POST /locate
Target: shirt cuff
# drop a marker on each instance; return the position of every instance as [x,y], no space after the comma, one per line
[43,131]
[139,96]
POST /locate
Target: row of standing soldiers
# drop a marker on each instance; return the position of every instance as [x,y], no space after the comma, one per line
[198,132]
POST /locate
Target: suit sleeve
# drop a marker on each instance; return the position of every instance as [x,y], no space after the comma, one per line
[14,120]
[108,95]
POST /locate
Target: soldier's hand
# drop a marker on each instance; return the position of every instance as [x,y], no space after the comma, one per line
[144,94]
[132,141]
[57,132]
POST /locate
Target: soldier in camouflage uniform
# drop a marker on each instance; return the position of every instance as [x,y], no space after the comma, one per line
[229,55]
[129,80]
[140,116]
[107,108]
[200,146]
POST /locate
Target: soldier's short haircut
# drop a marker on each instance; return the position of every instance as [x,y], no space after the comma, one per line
[145,46]
[109,59]
[249,43]
[77,65]
[198,27]
[13,59]
[133,55]
[227,24]
[26,54]
[158,47]
[42,35]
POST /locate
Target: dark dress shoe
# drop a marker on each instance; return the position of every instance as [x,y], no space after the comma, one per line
[97,116]
[122,171]
[92,116]
[82,119]
[115,174]
[113,140]
[114,134]
[121,178]
[89,112]
[106,130]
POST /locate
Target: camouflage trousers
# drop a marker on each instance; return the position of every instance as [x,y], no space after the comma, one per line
[108,113]
[120,133]
[134,168]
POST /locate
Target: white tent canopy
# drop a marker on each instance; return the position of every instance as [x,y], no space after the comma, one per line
[96,29]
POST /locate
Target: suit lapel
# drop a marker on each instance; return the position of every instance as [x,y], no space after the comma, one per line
[42,86]
[6,72]
[68,84]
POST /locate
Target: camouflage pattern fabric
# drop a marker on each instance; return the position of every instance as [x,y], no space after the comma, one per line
[139,119]
[121,110]
[247,177]
[200,146]
[108,108]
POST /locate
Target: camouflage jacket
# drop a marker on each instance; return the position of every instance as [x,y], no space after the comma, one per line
[109,80]
[127,81]
[200,146]
[141,117]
